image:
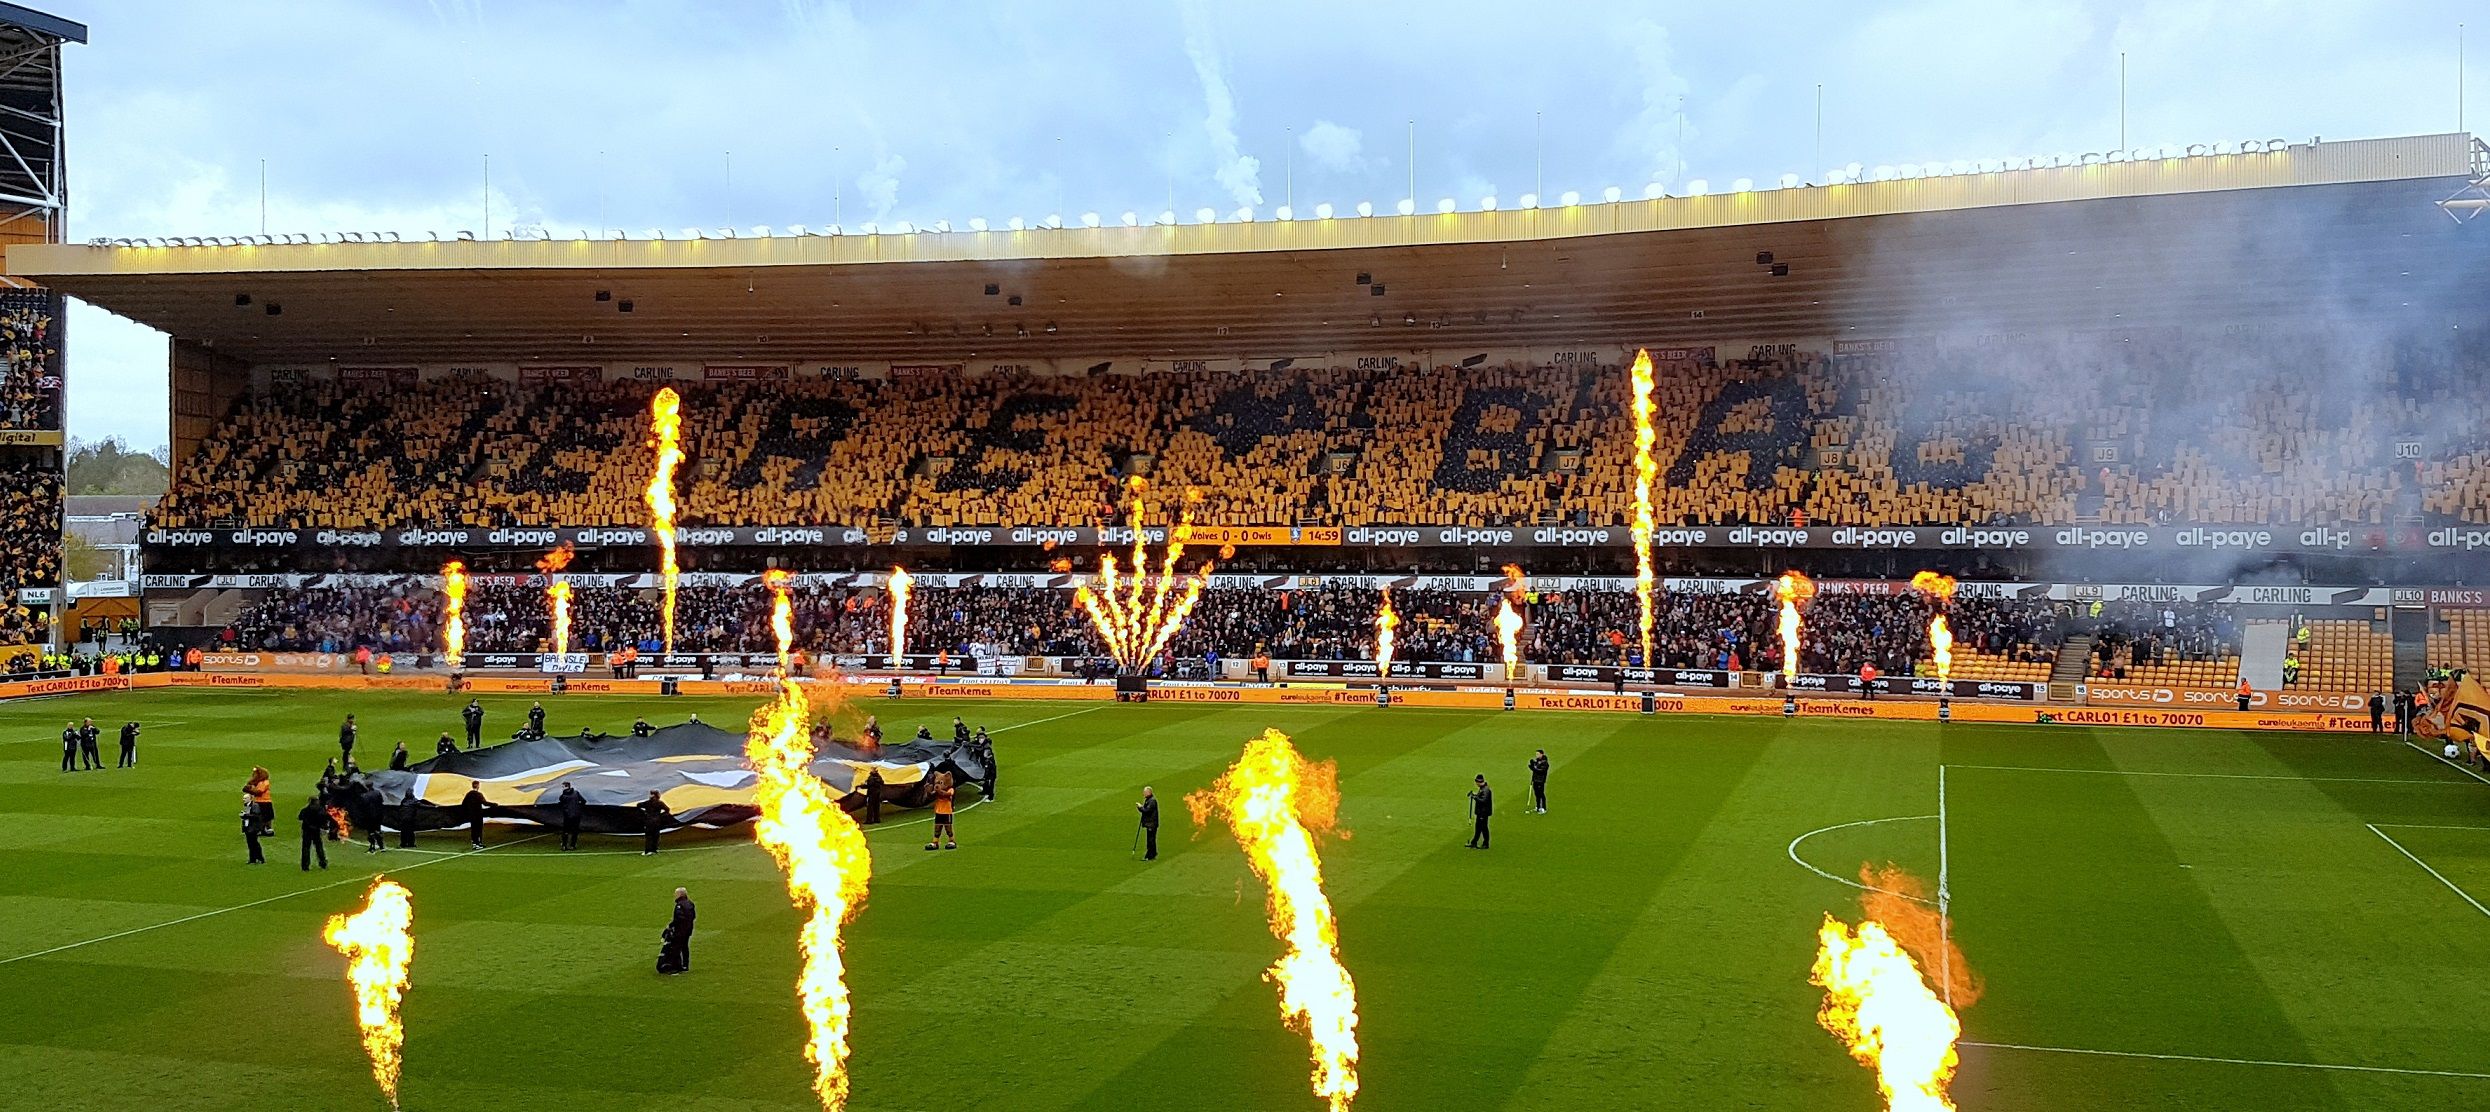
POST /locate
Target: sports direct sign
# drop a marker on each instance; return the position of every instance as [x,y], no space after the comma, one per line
[2114,694]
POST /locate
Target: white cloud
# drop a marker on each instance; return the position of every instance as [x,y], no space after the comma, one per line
[1240,174]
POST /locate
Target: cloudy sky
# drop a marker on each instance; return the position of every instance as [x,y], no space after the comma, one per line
[381,114]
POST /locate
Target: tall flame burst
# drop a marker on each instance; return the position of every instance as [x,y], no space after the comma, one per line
[1386,622]
[901,583]
[665,427]
[1940,635]
[1644,471]
[822,850]
[379,942]
[1793,589]
[1277,802]
[1509,620]
[1138,614]
[1878,1003]
[454,612]
[558,595]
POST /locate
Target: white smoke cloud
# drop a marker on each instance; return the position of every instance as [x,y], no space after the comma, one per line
[1649,139]
[1240,174]
[879,187]
[1333,147]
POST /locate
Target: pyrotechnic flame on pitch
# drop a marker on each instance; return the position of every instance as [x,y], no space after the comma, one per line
[454,613]
[822,850]
[665,426]
[1940,635]
[1509,620]
[1385,623]
[1644,471]
[378,942]
[1278,803]
[1137,615]
[1793,589]
[1878,1004]
[558,595]
[901,583]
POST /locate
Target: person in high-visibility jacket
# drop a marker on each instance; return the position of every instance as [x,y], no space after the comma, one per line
[2245,692]
[2291,669]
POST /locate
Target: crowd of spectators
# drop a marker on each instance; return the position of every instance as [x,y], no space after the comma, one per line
[1843,631]
[1965,435]
[30,529]
[30,372]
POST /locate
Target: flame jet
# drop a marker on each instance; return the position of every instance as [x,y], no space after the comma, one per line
[665,427]
[901,584]
[1644,471]
[1385,623]
[1794,590]
[1509,620]
[379,944]
[1940,635]
[454,613]
[822,850]
[558,595]
[1277,803]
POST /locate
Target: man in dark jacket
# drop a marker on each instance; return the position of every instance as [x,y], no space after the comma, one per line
[314,818]
[367,814]
[397,757]
[345,741]
[471,807]
[1482,805]
[983,747]
[641,728]
[129,745]
[444,747]
[474,715]
[1539,783]
[574,808]
[90,749]
[250,834]
[536,719]
[653,819]
[873,796]
[410,813]
[1149,808]
[2377,713]
[69,748]
[676,957]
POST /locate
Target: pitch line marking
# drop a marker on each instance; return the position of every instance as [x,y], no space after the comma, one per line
[2230,1061]
[2205,775]
[1801,862]
[2442,759]
[2467,897]
[254,903]
[1945,896]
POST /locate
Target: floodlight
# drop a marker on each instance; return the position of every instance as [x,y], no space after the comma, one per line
[1445,205]
[1487,203]
[976,223]
[1695,188]
[1528,201]
[1132,219]
[1204,216]
[1653,191]
[1089,220]
[1742,185]
[1569,198]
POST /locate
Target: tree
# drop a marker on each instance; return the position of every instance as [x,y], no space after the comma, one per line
[108,466]
[82,562]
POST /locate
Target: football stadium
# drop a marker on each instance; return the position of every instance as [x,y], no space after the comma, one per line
[1985,635]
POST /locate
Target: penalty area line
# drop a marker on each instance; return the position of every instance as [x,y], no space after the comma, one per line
[2208,775]
[2337,1067]
[2415,858]
[254,903]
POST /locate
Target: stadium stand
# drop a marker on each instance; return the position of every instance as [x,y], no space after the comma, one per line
[1967,436]
[2001,640]
[2466,642]
[30,532]
[30,386]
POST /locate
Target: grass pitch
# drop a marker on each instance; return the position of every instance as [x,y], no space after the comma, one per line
[2244,906]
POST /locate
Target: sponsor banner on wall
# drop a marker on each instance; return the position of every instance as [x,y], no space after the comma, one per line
[1606,674]
[1913,685]
[2116,693]
[1959,539]
[1367,669]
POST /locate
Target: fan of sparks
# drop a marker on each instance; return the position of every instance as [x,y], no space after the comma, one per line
[1138,612]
